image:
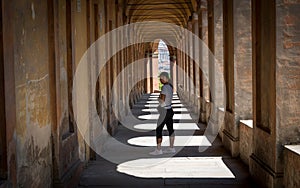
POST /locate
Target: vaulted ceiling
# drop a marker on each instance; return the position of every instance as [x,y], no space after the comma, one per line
[170,11]
[173,12]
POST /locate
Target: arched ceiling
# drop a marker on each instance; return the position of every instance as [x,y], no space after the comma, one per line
[176,12]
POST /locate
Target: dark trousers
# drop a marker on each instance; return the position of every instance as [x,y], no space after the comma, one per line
[165,118]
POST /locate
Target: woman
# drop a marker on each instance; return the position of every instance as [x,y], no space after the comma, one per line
[166,114]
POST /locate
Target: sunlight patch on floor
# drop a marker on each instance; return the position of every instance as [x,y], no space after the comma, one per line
[176,101]
[177,167]
[174,109]
[156,102]
[152,102]
[179,141]
[177,105]
[180,109]
[177,126]
[154,105]
[175,117]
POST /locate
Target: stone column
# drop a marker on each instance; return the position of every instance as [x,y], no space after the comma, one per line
[123,87]
[138,73]
[196,69]
[218,68]
[179,72]
[211,46]
[10,91]
[129,85]
[204,89]
[182,67]
[27,94]
[135,73]
[190,71]
[215,62]
[201,45]
[155,71]
[212,105]
[237,69]
[151,72]
[186,67]
[147,73]
[183,74]
[173,68]
[276,87]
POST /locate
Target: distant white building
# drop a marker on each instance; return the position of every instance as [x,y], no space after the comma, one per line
[163,57]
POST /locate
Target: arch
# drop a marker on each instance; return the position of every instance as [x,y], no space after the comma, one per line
[176,12]
[89,120]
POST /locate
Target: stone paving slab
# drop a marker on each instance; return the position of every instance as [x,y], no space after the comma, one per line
[181,170]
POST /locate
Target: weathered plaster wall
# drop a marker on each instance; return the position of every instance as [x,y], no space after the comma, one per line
[30,160]
[243,59]
[280,109]
[287,72]
[287,77]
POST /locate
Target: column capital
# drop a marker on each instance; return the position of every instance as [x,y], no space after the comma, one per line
[190,25]
[195,16]
[172,58]
[203,5]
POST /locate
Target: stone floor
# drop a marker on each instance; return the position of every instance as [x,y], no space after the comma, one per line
[126,162]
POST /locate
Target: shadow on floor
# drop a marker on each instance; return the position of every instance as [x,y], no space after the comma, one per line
[188,168]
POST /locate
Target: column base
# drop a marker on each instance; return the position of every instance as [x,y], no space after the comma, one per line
[193,104]
[135,98]
[202,117]
[221,116]
[231,134]
[231,143]
[185,97]
[263,174]
[204,110]
[213,126]
[113,127]
[71,177]
[208,110]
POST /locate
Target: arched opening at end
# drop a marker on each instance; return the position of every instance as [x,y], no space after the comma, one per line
[160,62]
[163,59]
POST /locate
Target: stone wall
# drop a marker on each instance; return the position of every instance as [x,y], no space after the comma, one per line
[44,43]
[287,72]
[242,60]
[276,110]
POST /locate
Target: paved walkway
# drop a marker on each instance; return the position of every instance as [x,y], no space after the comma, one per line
[187,168]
